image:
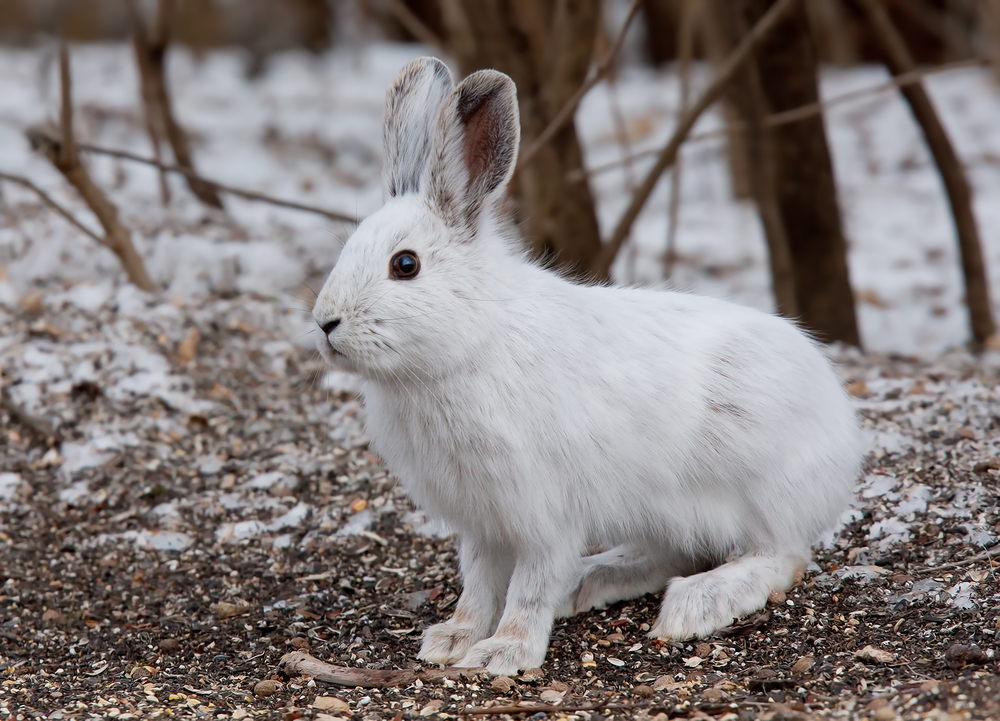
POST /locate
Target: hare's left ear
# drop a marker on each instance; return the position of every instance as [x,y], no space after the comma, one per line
[412,107]
[475,147]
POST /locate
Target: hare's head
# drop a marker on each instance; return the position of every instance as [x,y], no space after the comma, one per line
[402,298]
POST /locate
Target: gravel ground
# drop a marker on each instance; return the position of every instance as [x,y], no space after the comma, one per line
[186,496]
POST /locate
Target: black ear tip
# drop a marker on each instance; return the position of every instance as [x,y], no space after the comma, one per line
[482,86]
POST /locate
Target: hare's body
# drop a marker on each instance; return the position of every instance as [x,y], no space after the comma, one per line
[586,443]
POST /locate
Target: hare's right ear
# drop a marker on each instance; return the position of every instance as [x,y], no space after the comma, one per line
[412,106]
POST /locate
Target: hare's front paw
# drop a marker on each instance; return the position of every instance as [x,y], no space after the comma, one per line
[502,656]
[446,643]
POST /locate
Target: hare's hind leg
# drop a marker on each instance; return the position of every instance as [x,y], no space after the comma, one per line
[624,572]
[699,605]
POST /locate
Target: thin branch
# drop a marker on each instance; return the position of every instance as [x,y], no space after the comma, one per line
[48,200]
[300,663]
[151,114]
[62,153]
[795,114]
[742,53]
[984,556]
[689,18]
[899,62]
[414,25]
[567,111]
[67,153]
[222,187]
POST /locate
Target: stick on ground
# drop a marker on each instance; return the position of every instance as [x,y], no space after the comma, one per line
[300,663]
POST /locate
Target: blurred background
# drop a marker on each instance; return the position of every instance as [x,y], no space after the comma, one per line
[837,161]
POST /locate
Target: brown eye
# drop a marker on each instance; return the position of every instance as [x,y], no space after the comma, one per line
[404,265]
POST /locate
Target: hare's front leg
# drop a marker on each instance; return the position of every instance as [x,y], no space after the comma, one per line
[537,587]
[486,570]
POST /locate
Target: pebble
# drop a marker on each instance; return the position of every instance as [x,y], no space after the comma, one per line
[703,650]
[776,597]
[327,703]
[223,609]
[502,684]
[299,643]
[643,691]
[712,694]
[169,645]
[265,688]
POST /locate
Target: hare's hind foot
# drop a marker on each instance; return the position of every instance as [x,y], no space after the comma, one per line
[699,605]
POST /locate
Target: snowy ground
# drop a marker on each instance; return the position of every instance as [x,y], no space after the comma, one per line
[310,130]
[199,440]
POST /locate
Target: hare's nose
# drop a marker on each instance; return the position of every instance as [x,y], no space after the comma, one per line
[329,326]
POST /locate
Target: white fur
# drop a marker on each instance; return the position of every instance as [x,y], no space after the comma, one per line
[543,419]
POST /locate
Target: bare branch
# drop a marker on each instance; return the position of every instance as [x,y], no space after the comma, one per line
[899,62]
[222,187]
[796,114]
[414,25]
[740,55]
[62,153]
[300,663]
[47,199]
[567,111]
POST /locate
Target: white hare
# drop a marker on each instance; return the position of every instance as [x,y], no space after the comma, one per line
[702,445]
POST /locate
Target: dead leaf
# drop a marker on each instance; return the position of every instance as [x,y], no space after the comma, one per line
[858,389]
[222,609]
[802,665]
[188,347]
[870,653]
[432,707]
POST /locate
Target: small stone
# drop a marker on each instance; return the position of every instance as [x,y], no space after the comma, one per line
[532,675]
[615,637]
[776,597]
[802,665]
[267,687]
[885,713]
[712,694]
[502,684]
[551,697]
[169,645]
[51,616]
[960,655]
[299,643]
[327,703]
[703,650]
[643,691]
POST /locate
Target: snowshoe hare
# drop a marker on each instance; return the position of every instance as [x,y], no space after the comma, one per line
[587,444]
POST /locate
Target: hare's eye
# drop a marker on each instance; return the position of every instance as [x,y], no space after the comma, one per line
[404,265]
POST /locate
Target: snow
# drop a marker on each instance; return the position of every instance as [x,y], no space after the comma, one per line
[309,130]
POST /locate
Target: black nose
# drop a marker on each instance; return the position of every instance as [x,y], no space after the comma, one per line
[329,326]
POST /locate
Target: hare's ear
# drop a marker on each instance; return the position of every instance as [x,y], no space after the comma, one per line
[475,147]
[412,107]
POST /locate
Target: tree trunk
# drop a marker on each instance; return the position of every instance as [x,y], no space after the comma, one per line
[546,48]
[806,192]
[899,61]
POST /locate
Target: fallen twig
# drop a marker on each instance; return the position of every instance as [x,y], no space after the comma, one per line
[984,556]
[300,663]
[602,264]
[791,116]
[899,61]
[62,153]
[482,711]
[566,112]
[222,187]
